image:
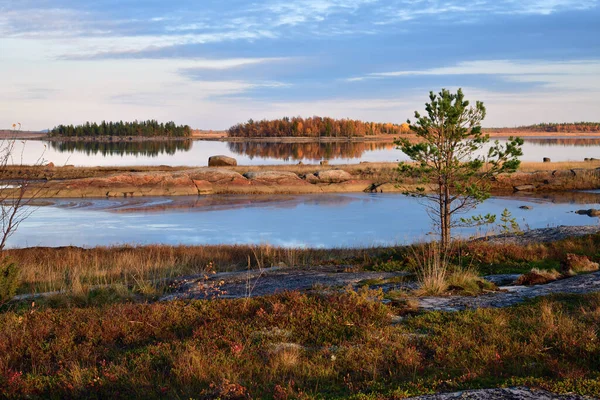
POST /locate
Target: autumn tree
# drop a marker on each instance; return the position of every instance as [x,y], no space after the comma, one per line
[450,156]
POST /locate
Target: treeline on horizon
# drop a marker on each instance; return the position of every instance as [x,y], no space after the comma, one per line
[314,127]
[150,128]
[556,127]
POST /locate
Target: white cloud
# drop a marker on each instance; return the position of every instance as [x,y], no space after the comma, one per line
[46,94]
[577,74]
[406,10]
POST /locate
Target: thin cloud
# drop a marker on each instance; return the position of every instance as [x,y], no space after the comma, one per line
[574,74]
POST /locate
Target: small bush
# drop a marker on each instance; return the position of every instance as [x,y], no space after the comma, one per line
[9,280]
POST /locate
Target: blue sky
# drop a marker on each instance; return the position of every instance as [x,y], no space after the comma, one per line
[214,63]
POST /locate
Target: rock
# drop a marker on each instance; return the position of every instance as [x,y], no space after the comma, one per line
[502,279]
[574,263]
[389,188]
[222,161]
[333,176]
[546,159]
[325,162]
[204,187]
[543,235]
[217,175]
[50,165]
[568,173]
[311,178]
[579,284]
[274,177]
[526,208]
[524,188]
[300,163]
[590,213]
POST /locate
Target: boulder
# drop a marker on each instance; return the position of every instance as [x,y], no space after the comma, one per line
[546,159]
[222,161]
[50,165]
[566,173]
[311,178]
[526,208]
[333,176]
[324,162]
[590,213]
[524,188]
[217,175]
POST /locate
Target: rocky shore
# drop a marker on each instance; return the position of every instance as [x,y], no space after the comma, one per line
[69,181]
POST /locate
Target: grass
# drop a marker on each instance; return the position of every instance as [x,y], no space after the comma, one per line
[152,268]
[531,166]
[295,346]
[74,269]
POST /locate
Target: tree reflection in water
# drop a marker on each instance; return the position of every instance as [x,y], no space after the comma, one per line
[137,148]
[306,151]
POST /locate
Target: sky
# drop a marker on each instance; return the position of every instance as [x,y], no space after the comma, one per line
[214,63]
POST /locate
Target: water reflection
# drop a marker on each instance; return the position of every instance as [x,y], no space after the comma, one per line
[138,148]
[333,220]
[568,142]
[196,153]
[205,203]
[307,151]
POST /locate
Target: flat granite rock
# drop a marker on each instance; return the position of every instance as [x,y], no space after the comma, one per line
[517,393]
[512,295]
[542,235]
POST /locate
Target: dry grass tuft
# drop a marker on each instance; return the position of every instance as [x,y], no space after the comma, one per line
[467,282]
[431,268]
[284,356]
[574,264]
[538,277]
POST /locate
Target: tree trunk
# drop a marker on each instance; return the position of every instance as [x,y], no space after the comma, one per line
[445,223]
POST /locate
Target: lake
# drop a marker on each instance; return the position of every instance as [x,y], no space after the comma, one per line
[326,220]
[196,153]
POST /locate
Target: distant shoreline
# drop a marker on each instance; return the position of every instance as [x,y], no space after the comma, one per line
[222,137]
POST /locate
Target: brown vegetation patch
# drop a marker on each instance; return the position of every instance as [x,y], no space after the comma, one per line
[538,277]
[574,263]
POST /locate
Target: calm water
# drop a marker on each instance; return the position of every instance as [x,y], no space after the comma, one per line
[304,220]
[196,153]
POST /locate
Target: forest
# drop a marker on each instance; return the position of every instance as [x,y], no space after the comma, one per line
[555,127]
[150,128]
[314,127]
